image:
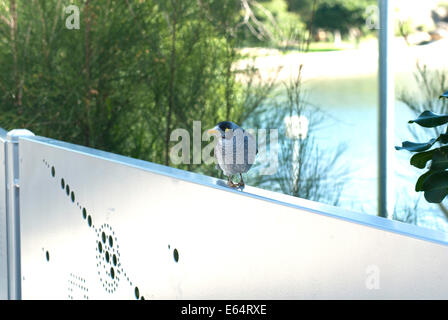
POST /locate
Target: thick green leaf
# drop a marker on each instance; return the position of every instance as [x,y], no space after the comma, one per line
[439,160]
[445,95]
[429,119]
[436,181]
[436,196]
[416,147]
[421,180]
[443,138]
[420,159]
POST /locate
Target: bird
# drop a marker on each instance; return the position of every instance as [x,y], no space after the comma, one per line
[235,151]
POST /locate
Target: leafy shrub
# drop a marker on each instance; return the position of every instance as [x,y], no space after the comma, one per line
[434,182]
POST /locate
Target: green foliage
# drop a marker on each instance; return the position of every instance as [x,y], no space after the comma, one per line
[134,71]
[268,23]
[414,146]
[338,17]
[434,182]
[332,14]
[429,119]
[67,84]
[138,69]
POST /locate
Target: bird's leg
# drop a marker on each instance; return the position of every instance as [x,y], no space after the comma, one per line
[230,183]
[241,183]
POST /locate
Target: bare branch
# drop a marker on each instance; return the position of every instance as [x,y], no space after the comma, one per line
[261,32]
[130,9]
[5,20]
[55,21]
[269,16]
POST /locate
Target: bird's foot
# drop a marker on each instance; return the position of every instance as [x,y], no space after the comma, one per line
[241,183]
[231,184]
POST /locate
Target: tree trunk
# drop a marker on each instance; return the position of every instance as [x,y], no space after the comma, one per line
[15,54]
[229,81]
[171,93]
[87,128]
[337,38]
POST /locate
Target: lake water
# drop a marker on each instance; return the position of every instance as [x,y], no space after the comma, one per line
[344,85]
[351,105]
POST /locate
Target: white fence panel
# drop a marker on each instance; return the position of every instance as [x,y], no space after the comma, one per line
[99,225]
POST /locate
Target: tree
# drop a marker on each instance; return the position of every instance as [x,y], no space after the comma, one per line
[332,15]
[66,81]
[132,73]
[432,83]
[304,170]
[338,17]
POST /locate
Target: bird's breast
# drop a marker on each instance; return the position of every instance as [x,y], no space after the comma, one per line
[236,154]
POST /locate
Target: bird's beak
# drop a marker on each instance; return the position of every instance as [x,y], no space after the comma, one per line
[212,131]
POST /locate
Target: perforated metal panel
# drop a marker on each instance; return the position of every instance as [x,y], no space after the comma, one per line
[3,251]
[97,225]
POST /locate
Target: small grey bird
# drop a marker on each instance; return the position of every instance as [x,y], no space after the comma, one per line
[235,150]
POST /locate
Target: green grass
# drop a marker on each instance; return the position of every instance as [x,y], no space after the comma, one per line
[321,47]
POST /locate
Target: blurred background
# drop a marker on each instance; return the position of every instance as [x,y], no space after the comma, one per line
[121,75]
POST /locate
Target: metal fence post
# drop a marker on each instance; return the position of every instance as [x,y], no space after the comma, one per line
[386,191]
[12,162]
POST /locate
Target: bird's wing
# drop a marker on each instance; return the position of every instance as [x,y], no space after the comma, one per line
[247,144]
[250,148]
